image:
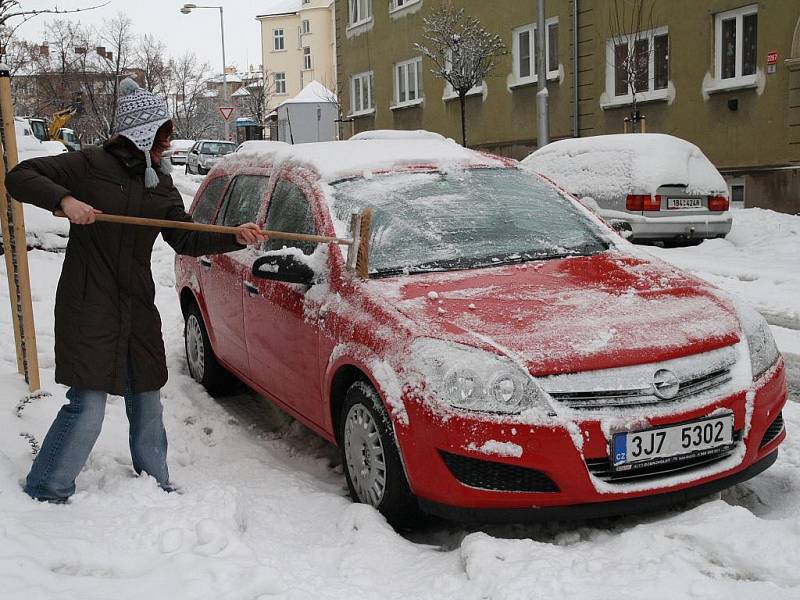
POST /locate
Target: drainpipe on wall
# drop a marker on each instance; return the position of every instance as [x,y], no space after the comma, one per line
[543,136]
[576,132]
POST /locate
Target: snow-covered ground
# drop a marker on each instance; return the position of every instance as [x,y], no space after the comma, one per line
[264,512]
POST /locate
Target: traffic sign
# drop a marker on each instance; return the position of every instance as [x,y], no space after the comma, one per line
[226,112]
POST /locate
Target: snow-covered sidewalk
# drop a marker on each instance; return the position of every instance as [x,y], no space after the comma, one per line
[263,511]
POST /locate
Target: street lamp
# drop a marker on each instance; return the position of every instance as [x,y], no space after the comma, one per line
[186,9]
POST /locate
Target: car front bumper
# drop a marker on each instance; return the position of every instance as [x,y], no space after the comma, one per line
[549,454]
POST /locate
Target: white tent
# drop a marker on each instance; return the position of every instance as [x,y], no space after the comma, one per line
[308,117]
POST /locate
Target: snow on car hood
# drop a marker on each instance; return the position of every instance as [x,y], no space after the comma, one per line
[569,315]
[611,166]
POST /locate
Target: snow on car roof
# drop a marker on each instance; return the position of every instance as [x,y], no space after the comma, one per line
[612,166]
[336,160]
[399,134]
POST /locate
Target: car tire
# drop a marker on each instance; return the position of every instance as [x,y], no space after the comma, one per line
[682,242]
[203,365]
[202,171]
[372,465]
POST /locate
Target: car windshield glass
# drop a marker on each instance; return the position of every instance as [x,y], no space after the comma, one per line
[217,148]
[465,219]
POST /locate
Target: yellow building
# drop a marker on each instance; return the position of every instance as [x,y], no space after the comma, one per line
[298,46]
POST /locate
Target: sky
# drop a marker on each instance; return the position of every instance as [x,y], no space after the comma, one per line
[197,32]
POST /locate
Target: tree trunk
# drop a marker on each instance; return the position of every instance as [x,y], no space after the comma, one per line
[462,101]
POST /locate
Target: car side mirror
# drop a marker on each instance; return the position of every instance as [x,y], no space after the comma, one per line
[283,267]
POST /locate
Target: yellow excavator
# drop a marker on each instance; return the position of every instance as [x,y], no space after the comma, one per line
[54,127]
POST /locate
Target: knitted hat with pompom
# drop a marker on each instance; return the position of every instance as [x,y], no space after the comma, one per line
[139,115]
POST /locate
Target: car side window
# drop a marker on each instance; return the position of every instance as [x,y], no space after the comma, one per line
[243,200]
[290,211]
[206,208]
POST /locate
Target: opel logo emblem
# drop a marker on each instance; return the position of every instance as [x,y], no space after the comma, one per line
[666,384]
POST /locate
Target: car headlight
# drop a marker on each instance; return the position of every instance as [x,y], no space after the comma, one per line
[471,379]
[763,351]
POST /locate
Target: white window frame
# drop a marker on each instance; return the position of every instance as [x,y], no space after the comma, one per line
[402,69]
[280,80]
[552,74]
[396,5]
[308,64]
[305,27]
[366,83]
[649,95]
[738,80]
[355,8]
[279,36]
[450,93]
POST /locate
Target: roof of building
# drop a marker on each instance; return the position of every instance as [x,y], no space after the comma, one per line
[281,7]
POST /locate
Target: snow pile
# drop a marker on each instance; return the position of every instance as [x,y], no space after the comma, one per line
[606,167]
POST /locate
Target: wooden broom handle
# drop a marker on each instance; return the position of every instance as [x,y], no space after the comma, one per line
[166,224]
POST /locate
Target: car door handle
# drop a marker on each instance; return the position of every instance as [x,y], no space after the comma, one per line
[251,289]
[204,262]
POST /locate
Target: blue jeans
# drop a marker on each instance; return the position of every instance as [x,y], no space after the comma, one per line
[74,432]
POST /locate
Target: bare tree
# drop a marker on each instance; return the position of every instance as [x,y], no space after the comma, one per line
[462,51]
[187,86]
[259,93]
[13,14]
[150,59]
[630,22]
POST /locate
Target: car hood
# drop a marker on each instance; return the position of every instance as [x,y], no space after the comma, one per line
[568,315]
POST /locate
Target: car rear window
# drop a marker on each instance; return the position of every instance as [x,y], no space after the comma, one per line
[462,219]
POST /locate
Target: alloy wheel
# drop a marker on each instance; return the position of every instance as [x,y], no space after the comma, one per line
[364,453]
[195,352]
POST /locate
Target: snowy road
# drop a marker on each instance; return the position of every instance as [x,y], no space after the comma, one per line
[264,512]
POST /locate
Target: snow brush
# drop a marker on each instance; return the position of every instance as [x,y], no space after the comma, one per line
[357,248]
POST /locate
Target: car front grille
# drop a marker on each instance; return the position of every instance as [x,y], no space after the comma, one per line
[601,467]
[773,430]
[489,475]
[634,386]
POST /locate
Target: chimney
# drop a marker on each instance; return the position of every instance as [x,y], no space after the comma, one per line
[101,50]
[44,50]
[110,55]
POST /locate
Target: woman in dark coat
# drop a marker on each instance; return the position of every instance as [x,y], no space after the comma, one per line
[107,328]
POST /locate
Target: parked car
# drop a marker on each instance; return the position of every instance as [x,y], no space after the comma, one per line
[507,360]
[178,151]
[204,154]
[663,187]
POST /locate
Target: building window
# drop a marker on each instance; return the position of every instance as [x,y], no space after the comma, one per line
[306,58]
[277,37]
[280,83]
[360,11]
[449,92]
[638,62]
[398,4]
[305,27]
[408,82]
[524,51]
[735,40]
[306,1]
[361,93]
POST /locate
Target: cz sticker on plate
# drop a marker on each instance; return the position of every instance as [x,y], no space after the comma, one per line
[664,445]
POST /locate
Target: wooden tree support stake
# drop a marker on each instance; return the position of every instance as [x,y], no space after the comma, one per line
[15,246]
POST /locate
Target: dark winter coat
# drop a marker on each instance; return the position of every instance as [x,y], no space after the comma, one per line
[105,312]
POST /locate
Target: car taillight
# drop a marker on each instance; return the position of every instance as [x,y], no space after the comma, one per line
[640,202]
[717,203]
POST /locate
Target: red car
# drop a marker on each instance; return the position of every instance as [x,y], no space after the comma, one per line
[509,358]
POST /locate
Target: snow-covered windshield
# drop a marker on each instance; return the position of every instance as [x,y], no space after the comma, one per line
[464,219]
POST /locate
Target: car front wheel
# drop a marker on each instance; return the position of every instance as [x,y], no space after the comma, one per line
[373,468]
[203,365]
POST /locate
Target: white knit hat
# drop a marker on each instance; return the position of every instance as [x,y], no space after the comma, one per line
[139,115]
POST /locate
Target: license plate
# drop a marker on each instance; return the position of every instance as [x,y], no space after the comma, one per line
[678,203]
[663,445]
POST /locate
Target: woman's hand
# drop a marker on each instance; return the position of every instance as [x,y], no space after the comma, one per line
[249,233]
[78,212]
